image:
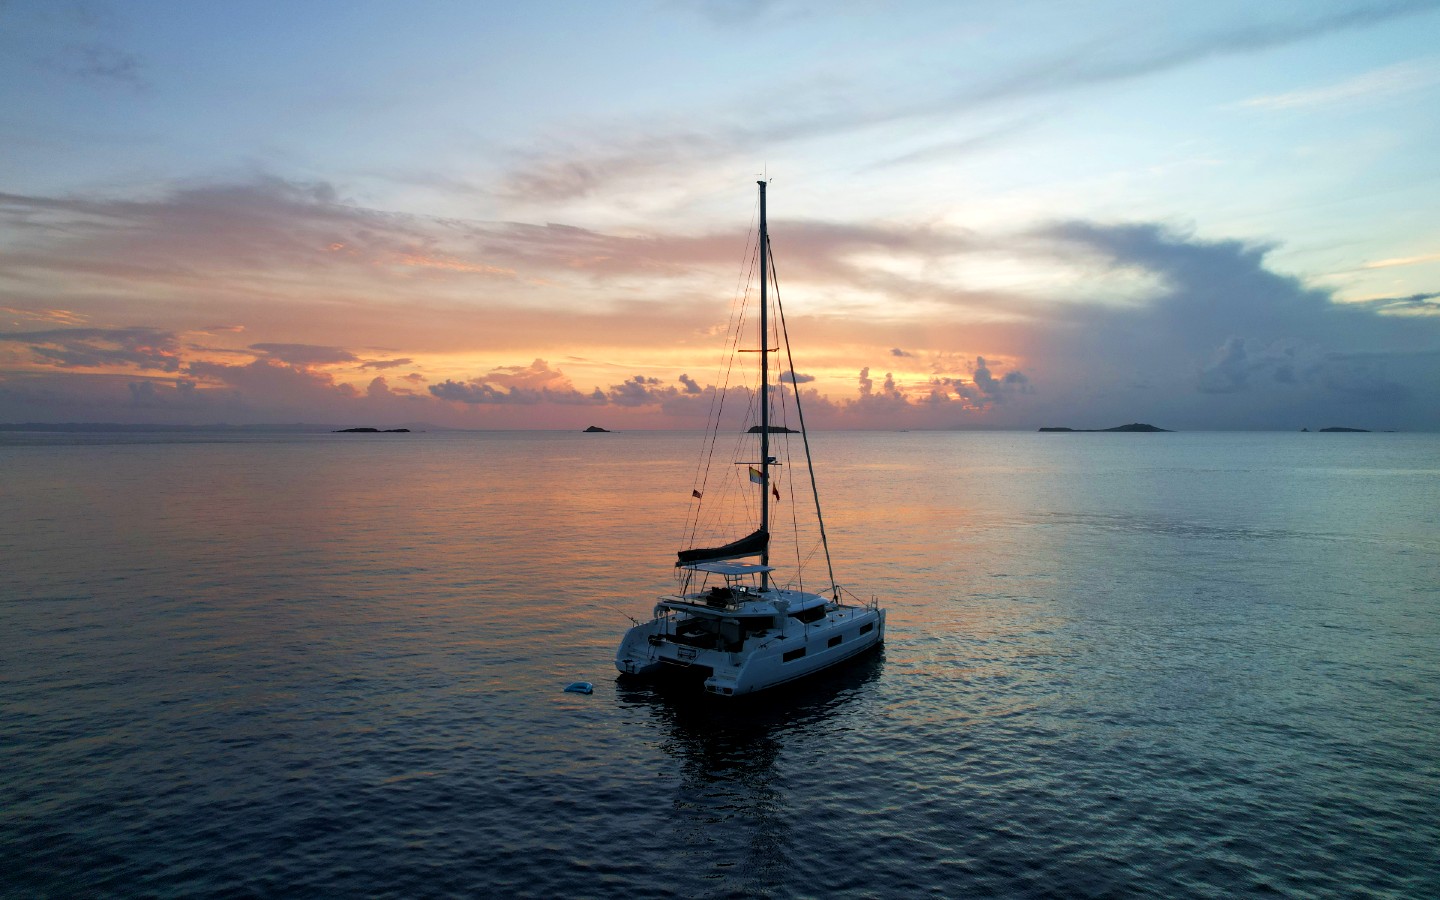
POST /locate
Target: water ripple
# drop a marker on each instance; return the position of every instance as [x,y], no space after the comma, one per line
[1201,667]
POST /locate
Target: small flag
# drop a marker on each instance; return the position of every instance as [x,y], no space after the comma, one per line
[755,476]
[695,494]
[775,489]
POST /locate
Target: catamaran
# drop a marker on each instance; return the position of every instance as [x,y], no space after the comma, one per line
[733,624]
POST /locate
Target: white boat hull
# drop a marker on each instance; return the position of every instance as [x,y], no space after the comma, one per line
[797,650]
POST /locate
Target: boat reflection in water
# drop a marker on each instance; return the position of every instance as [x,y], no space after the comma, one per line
[741,816]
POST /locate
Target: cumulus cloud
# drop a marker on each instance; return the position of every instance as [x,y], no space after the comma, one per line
[142,393]
[524,385]
[983,378]
[1230,369]
[936,400]
[180,393]
[380,389]
[640,391]
[888,397]
[538,384]
[275,381]
[480,393]
[995,389]
[1227,341]
[484,393]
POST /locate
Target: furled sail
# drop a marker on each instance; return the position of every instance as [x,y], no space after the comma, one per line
[752,544]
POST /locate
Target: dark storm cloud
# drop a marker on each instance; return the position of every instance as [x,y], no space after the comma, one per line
[1214,292]
[996,388]
[1229,342]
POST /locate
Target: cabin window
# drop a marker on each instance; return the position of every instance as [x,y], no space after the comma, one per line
[758,624]
[813,614]
[866,628]
[835,641]
[793,655]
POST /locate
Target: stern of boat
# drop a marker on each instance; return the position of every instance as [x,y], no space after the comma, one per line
[638,654]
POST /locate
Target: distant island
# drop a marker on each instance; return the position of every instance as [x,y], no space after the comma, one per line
[596,429]
[151,428]
[774,429]
[1132,427]
[371,431]
[1355,430]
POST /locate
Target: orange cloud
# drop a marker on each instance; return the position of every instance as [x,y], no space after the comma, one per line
[58,316]
[420,260]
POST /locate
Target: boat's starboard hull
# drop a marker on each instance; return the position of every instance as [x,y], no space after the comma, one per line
[799,651]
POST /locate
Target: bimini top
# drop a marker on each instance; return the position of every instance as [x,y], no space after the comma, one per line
[731,569]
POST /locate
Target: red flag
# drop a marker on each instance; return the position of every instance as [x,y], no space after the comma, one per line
[775,489]
[695,494]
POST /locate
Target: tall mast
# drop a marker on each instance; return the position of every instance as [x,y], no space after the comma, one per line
[764,390]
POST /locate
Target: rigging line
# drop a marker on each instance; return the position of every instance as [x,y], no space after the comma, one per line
[738,304]
[733,330]
[804,434]
[785,442]
[790,484]
[735,338]
[795,525]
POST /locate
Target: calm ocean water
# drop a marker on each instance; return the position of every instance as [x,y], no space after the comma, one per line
[1117,665]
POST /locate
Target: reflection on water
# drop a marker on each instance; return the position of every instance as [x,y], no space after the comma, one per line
[731,816]
[1176,665]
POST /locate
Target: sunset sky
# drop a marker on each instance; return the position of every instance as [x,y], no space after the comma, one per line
[534,215]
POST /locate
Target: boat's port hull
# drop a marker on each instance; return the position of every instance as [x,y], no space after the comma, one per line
[799,650]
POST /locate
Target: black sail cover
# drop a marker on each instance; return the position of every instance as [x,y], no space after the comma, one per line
[752,544]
